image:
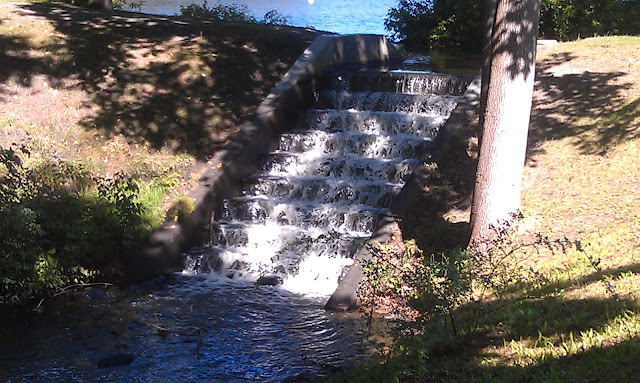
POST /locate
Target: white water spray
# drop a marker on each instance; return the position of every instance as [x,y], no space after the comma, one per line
[304,216]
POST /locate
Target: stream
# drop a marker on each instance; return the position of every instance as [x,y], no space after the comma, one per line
[178,329]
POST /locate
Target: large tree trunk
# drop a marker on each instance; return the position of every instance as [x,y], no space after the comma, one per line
[506,115]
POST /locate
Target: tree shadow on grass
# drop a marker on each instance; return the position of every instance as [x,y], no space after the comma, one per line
[590,107]
[163,81]
[556,338]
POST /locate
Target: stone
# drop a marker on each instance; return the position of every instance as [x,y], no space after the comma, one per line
[269,280]
[94,292]
[116,360]
[101,4]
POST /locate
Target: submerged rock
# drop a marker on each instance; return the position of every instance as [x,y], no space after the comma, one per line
[116,360]
[269,280]
[305,376]
[94,292]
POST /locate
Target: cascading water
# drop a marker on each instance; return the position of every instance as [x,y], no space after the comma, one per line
[303,217]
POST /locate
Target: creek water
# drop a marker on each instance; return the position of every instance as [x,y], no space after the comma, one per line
[179,329]
[299,221]
[355,16]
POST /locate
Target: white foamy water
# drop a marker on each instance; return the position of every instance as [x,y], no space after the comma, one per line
[303,217]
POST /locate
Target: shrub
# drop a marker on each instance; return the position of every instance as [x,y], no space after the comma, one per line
[451,23]
[60,224]
[572,19]
[274,17]
[220,12]
[440,299]
[235,13]
[437,23]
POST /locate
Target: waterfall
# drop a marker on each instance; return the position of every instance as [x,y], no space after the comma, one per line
[301,219]
[407,82]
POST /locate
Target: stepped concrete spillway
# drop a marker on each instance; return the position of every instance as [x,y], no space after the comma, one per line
[466,93]
[316,174]
[278,113]
[304,215]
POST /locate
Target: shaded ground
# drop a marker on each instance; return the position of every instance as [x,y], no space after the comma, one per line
[581,175]
[132,92]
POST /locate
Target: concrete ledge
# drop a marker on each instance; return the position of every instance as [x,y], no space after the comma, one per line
[242,156]
[345,298]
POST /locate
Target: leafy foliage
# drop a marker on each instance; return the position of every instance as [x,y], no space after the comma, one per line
[440,299]
[180,209]
[573,19]
[437,23]
[236,13]
[458,24]
[274,17]
[233,13]
[60,224]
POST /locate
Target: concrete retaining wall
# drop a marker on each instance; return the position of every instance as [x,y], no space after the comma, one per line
[242,157]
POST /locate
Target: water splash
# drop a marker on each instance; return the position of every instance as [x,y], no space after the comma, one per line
[304,216]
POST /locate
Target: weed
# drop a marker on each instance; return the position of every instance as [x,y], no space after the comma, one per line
[181,207]
[235,13]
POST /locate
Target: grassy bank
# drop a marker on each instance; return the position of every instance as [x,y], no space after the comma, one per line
[88,98]
[559,301]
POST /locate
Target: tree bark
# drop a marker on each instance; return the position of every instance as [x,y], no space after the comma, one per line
[489,16]
[506,116]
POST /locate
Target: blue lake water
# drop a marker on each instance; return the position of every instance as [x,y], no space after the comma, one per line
[354,16]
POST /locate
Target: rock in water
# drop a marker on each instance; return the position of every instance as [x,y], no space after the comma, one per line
[269,280]
[115,360]
[94,292]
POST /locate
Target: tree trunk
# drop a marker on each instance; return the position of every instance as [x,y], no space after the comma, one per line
[506,116]
[489,17]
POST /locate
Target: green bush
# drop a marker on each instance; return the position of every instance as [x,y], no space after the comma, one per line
[235,13]
[274,17]
[440,299]
[573,19]
[60,224]
[458,23]
[437,23]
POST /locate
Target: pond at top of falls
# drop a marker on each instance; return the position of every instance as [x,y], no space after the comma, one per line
[300,219]
[360,16]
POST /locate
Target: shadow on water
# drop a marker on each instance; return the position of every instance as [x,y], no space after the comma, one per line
[158,80]
[591,107]
[179,329]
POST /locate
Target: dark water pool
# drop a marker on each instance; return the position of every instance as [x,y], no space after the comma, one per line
[178,329]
